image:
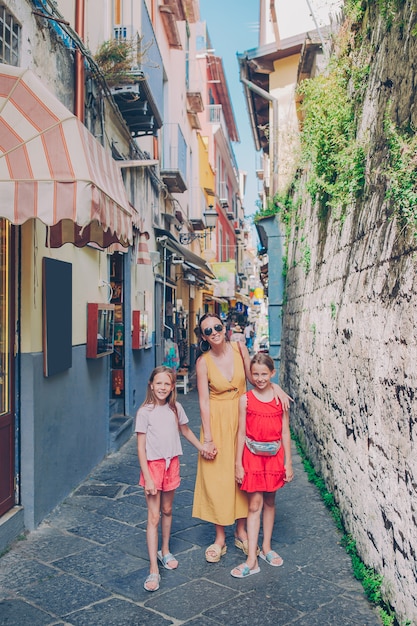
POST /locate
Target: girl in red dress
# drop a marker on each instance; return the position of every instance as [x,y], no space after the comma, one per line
[263,460]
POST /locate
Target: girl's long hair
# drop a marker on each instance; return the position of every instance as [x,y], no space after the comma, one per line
[172,398]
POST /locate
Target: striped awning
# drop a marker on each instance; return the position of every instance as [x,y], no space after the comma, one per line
[51,166]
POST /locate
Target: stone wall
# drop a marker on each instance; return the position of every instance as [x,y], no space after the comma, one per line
[349,354]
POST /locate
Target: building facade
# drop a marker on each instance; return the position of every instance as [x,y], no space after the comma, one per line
[108,180]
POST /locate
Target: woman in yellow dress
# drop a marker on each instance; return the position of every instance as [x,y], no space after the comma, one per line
[222,371]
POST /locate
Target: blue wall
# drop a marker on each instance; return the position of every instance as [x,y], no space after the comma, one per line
[64,429]
[276,285]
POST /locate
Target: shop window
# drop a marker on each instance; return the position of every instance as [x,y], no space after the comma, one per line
[9,38]
[118,355]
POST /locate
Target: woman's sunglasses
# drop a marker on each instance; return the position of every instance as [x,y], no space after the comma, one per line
[217,327]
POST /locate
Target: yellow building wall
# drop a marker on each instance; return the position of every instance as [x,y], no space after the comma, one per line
[282,82]
[89,267]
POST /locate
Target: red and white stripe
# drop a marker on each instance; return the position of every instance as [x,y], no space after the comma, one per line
[51,166]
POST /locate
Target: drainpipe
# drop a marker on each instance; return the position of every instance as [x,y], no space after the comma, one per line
[162,240]
[274,21]
[79,61]
[323,44]
[265,94]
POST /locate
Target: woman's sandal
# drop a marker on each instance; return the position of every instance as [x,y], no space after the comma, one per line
[243,545]
[152,579]
[243,571]
[168,558]
[218,553]
[272,556]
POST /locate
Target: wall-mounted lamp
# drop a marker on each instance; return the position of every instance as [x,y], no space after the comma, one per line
[210,220]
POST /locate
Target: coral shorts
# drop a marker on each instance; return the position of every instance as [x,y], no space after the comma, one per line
[164,479]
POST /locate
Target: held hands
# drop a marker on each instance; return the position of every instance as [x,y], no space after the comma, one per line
[208,451]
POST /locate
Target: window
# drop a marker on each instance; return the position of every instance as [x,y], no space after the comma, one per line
[9,38]
[120,33]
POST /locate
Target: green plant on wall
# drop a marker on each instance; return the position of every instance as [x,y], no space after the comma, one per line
[283,205]
[333,158]
[401,173]
[306,257]
[355,10]
[285,208]
[371,581]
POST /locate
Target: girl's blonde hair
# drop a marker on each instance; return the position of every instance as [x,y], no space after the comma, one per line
[172,398]
[261,358]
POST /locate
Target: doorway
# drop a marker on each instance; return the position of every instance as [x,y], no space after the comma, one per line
[117,366]
[7,324]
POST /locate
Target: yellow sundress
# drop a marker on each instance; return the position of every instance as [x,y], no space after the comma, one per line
[217,497]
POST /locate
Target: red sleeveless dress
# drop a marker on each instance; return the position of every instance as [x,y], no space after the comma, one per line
[263,423]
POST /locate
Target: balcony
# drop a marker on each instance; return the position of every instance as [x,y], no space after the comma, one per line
[138,107]
[195,90]
[198,205]
[195,86]
[224,200]
[140,96]
[174,158]
[215,116]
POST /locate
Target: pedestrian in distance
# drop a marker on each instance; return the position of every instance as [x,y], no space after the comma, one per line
[237,334]
[159,421]
[249,335]
[222,369]
[263,461]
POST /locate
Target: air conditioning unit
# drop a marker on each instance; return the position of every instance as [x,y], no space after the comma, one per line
[189,278]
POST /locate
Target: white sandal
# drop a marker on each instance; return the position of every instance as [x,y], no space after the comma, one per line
[152,578]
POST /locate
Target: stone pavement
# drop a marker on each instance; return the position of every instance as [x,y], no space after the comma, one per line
[86,564]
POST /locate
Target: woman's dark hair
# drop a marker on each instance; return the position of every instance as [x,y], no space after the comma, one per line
[203,345]
[206,316]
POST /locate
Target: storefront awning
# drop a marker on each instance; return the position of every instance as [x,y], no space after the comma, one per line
[190,259]
[51,166]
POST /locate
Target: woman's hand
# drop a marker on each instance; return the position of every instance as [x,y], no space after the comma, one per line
[239,474]
[283,397]
[209,450]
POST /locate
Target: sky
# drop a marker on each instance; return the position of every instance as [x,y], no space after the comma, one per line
[233,26]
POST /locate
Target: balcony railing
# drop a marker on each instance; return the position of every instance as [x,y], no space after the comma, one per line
[140,98]
[174,158]
[215,116]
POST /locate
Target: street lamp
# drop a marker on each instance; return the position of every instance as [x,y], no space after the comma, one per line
[210,220]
